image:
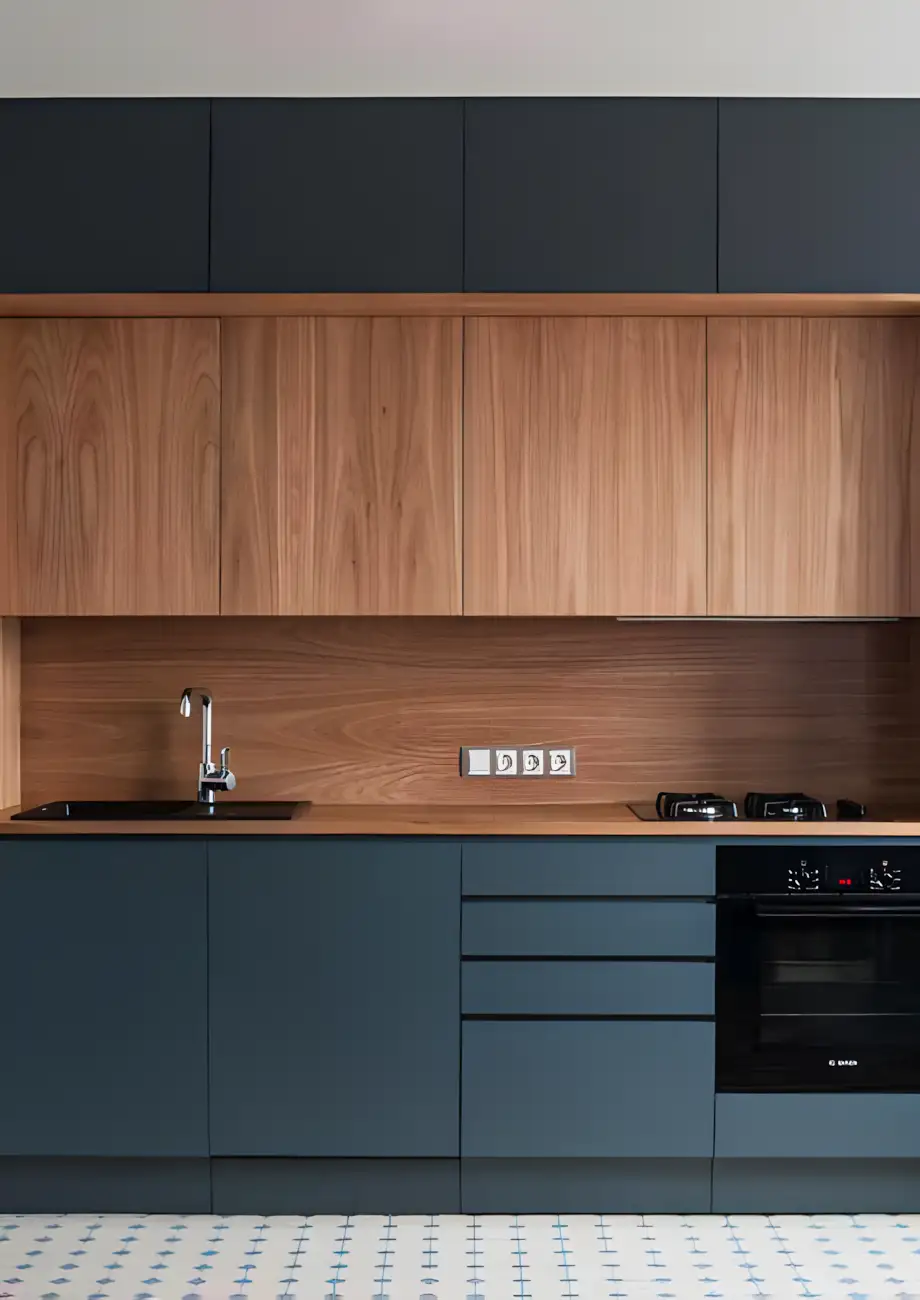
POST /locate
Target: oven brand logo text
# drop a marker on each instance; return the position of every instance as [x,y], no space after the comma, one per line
[843,1063]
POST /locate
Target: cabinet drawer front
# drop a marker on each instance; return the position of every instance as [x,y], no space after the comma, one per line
[599,867]
[587,1088]
[582,928]
[588,988]
[817,1125]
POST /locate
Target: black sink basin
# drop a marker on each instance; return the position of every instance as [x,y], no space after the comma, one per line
[144,810]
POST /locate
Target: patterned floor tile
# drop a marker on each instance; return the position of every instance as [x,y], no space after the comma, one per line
[495,1257]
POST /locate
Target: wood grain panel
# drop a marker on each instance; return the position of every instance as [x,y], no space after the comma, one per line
[458,304]
[584,467]
[341,476]
[268,438]
[109,438]
[368,710]
[9,711]
[810,430]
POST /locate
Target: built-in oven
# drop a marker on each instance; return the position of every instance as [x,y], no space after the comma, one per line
[817,968]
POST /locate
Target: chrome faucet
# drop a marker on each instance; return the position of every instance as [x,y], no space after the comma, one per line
[210,776]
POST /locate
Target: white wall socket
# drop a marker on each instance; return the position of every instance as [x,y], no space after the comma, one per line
[510,761]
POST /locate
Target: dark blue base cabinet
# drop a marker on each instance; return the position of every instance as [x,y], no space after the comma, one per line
[310,1026]
[587,1114]
[804,1153]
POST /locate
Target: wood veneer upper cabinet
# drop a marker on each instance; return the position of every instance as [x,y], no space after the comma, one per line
[810,427]
[341,471]
[584,466]
[109,467]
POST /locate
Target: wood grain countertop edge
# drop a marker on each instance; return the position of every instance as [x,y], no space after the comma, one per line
[613,820]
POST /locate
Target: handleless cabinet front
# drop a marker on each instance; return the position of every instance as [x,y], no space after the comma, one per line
[587,1088]
[103,1024]
[104,195]
[335,998]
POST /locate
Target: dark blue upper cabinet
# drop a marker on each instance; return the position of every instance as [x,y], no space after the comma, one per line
[335,998]
[591,195]
[103,1020]
[337,195]
[104,196]
[819,196]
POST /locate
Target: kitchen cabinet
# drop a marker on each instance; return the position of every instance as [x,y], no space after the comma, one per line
[341,466]
[104,1026]
[109,467]
[819,196]
[590,195]
[584,466]
[587,927]
[811,426]
[337,195]
[104,195]
[588,866]
[335,998]
[588,1088]
[564,987]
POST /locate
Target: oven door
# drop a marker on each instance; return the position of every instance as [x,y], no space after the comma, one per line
[818,993]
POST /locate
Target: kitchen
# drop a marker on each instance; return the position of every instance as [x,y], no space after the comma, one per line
[522,511]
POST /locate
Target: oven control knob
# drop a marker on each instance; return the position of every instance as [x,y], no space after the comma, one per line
[803,878]
[876,882]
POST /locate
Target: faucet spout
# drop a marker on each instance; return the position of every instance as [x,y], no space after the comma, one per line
[210,776]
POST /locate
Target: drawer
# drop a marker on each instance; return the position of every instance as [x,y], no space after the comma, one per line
[816,1125]
[588,988]
[582,928]
[587,1088]
[589,866]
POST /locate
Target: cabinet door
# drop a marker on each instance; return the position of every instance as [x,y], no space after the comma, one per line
[810,428]
[104,195]
[588,1088]
[335,998]
[332,196]
[341,472]
[819,196]
[109,448]
[104,1019]
[613,195]
[584,466]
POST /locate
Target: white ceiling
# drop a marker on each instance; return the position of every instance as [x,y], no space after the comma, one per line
[460,47]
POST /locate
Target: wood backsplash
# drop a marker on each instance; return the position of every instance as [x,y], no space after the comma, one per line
[370,710]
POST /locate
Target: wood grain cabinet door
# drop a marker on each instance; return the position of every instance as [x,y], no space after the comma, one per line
[109,467]
[341,470]
[810,430]
[584,466]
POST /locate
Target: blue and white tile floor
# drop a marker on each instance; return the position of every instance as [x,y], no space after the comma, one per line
[441,1257]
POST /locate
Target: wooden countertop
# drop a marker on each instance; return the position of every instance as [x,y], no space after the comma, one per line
[541,819]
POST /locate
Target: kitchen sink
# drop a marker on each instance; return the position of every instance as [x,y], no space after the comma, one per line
[143,810]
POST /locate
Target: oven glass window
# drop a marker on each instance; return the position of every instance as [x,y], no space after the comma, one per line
[844,981]
[823,997]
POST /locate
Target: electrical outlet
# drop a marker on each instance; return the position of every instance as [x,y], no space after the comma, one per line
[562,762]
[511,761]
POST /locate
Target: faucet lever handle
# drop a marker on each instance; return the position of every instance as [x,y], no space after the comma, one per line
[225,758]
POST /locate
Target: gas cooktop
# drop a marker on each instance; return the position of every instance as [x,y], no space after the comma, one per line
[757,806]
